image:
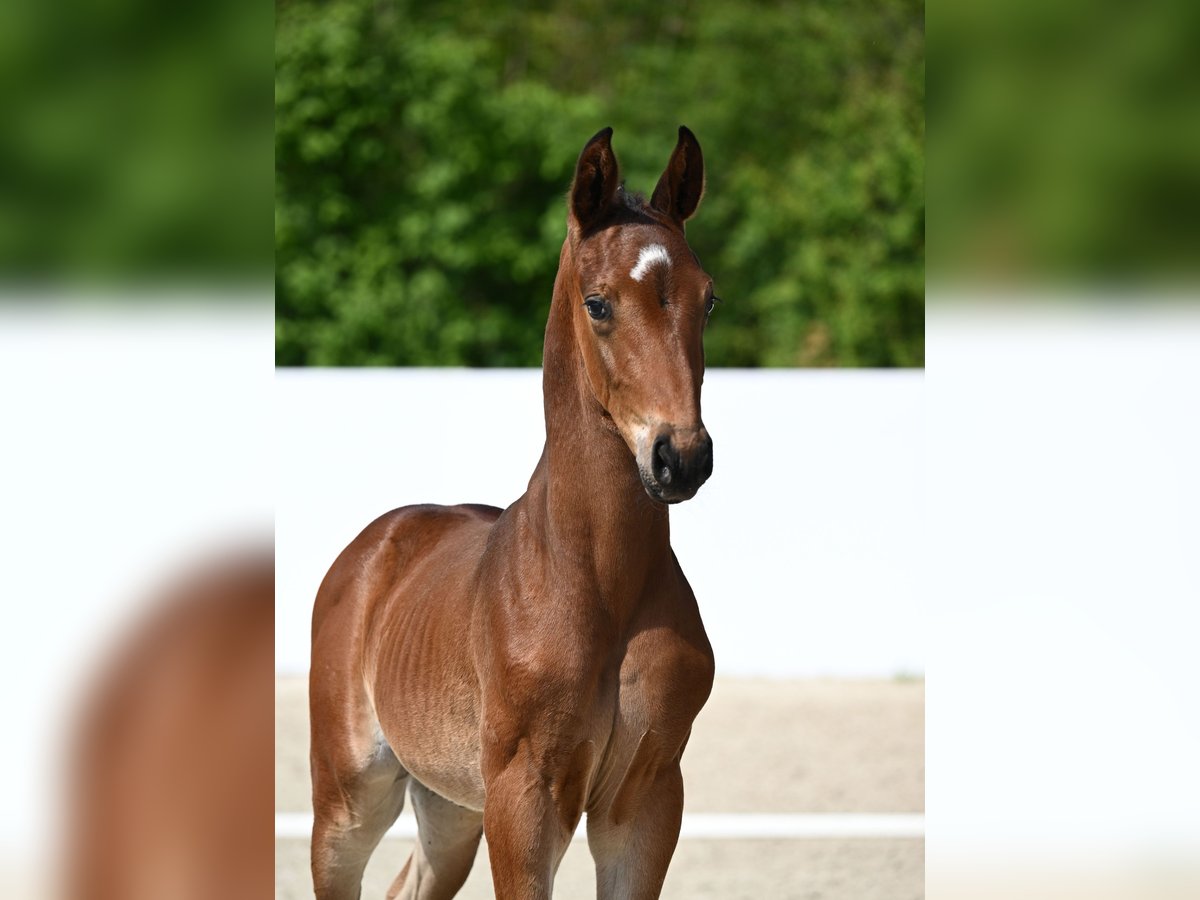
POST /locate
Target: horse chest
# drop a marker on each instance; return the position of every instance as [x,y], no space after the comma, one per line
[602,694]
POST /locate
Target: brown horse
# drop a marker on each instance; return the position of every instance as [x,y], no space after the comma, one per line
[515,669]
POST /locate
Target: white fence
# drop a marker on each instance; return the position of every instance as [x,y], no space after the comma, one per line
[807,568]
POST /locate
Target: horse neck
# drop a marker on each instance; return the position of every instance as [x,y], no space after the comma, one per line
[597,517]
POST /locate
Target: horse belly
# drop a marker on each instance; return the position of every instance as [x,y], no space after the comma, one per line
[440,752]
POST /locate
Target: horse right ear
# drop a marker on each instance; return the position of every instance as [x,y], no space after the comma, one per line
[596,181]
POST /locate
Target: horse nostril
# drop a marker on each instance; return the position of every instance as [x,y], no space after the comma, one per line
[665,460]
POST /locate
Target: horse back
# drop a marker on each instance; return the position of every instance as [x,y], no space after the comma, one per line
[387,551]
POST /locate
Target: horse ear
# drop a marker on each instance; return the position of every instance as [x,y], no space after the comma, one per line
[596,180]
[682,184]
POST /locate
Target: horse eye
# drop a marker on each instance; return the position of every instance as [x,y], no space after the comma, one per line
[711,305]
[598,308]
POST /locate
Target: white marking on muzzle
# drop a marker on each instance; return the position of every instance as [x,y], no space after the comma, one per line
[650,255]
[642,440]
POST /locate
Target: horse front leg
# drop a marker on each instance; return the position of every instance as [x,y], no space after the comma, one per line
[632,848]
[535,797]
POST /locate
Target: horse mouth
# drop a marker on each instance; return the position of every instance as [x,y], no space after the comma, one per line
[665,493]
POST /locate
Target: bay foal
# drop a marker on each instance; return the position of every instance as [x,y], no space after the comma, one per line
[515,669]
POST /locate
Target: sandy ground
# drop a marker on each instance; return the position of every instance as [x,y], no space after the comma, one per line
[758,746]
[701,870]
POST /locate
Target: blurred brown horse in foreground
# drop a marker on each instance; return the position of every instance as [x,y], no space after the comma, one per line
[170,783]
[514,669]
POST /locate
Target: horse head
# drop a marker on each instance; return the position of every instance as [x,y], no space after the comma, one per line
[641,301]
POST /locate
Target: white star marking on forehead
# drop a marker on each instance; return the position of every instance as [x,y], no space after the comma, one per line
[651,255]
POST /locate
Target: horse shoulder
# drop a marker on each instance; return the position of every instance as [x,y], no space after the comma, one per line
[668,668]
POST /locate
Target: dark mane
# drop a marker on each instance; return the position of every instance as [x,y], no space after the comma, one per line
[632,206]
[632,200]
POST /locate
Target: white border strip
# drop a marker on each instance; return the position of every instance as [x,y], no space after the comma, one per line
[710,826]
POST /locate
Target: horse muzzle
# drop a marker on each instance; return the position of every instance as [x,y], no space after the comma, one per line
[677,461]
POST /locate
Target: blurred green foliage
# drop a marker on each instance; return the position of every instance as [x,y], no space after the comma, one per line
[423,153]
[1066,140]
[136,144]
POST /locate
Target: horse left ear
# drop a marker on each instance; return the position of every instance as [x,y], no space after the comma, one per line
[682,184]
